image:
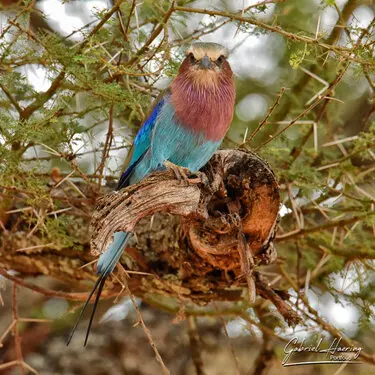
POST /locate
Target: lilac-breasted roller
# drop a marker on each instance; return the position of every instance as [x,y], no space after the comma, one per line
[185,128]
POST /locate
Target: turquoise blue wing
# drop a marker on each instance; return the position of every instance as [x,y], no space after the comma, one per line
[140,145]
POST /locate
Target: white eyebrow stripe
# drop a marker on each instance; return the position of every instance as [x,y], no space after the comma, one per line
[212,52]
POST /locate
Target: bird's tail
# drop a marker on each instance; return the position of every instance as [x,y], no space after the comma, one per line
[106,264]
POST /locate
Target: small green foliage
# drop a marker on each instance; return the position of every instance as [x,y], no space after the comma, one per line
[297,58]
[330,2]
[57,230]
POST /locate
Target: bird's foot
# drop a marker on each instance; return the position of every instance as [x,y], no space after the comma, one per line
[185,175]
[181,173]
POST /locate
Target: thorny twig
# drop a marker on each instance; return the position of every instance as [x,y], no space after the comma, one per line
[195,345]
[343,51]
[141,321]
[234,355]
[268,115]
[107,146]
[14,328]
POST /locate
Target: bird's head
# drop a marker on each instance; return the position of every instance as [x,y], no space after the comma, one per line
[203,93]
[206,64]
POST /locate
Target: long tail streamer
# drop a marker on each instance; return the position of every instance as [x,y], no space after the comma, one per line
[106,264]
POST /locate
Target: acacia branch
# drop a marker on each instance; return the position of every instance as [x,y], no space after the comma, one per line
[343,51]
[43,98]
[320,228]
[11,99]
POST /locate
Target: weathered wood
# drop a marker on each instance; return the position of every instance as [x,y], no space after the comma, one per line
[241,194]
[195,252]
[201,241]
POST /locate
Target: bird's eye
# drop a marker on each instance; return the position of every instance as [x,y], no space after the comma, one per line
[220,60]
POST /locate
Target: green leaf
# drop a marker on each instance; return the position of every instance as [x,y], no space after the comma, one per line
[330,2]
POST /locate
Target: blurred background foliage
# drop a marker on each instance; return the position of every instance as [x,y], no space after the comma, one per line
[78,78]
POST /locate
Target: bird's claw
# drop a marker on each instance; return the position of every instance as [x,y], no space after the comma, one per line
[181,173]
[185,175]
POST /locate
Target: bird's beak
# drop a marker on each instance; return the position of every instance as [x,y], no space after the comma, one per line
[205,63]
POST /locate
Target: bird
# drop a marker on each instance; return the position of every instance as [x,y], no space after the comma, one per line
[185,128]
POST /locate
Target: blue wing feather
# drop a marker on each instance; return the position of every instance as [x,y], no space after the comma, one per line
[142,140]
[141,144]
